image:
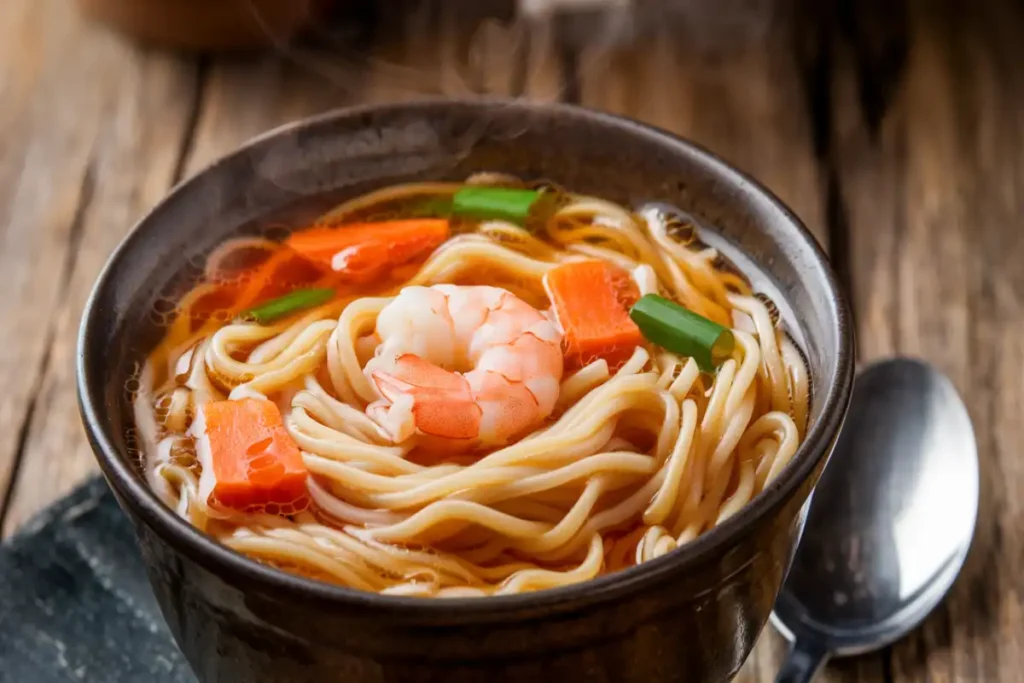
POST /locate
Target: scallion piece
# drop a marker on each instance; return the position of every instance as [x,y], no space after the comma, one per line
[682,331]
[277,308]
[437,207]
[503,203]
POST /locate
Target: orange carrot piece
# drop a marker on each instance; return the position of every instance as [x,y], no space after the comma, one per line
[591,300]
[249,460]
[364,251]
[283,271]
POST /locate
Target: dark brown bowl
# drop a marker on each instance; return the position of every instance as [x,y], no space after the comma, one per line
[692,615]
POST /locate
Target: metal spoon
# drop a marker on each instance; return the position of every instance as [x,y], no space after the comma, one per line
[890,521]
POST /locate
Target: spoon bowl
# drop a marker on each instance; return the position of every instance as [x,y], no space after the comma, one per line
[890,522]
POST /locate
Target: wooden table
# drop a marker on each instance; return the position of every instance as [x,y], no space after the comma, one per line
[896,132]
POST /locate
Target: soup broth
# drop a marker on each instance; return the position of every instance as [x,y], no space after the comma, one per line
[469,389]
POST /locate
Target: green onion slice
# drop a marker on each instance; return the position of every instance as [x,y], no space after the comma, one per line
[436,207]
[298,300]
[503,203]
[682,331]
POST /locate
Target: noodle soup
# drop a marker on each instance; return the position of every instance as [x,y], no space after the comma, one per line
[469,389]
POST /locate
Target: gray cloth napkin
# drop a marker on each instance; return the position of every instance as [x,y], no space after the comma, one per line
[75,605]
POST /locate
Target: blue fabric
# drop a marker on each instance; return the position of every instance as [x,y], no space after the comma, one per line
[75,605]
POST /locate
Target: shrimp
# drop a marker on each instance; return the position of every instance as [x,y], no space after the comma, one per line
[462,365]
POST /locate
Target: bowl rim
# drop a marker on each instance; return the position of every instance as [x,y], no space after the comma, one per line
[221,560]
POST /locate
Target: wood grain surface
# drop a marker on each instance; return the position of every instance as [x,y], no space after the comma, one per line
[894,129]
[92,137]
[931,191]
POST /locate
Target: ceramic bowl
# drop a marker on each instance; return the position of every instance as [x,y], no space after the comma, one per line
[692,615]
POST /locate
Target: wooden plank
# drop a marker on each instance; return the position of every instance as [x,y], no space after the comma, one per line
[72,127]
[731,81]
[415,49]
[933,196]
[40,190]
[437,47]
[725,78]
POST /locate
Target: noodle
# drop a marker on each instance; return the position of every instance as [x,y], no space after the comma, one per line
[630,465]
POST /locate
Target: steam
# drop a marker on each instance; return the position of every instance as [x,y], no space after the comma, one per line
[457,49]
[490,59]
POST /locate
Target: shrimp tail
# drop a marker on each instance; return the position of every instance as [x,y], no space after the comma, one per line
[442,402]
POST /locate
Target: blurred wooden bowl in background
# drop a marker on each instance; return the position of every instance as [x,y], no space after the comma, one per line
[205,24]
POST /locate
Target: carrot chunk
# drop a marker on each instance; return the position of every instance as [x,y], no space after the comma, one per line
[364,251]
[280,272]
[591,300]
[283,272]
[249,460]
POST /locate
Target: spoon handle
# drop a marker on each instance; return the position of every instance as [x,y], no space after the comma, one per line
[803,662]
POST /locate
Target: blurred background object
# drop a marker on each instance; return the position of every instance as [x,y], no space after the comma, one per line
[205,24]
